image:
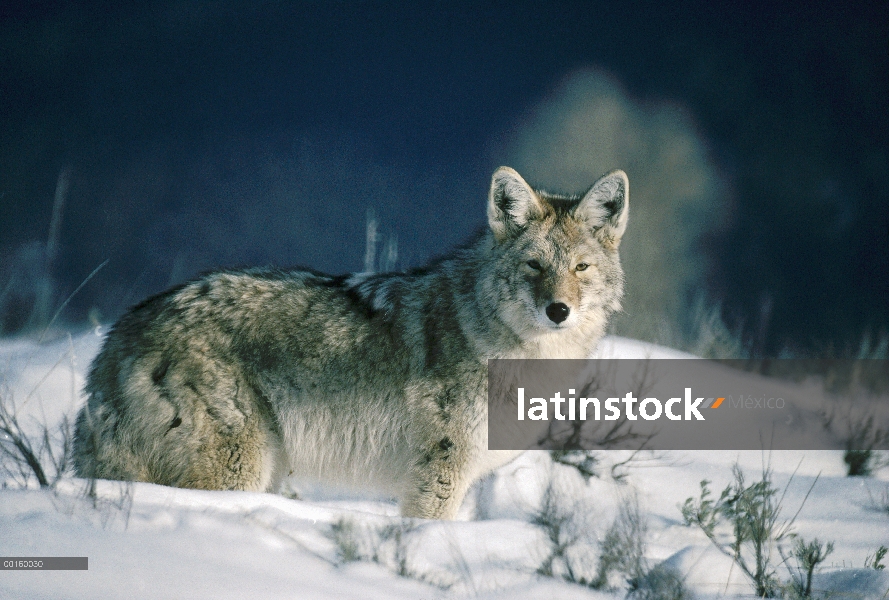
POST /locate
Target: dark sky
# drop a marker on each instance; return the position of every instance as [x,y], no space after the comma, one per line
[204,134]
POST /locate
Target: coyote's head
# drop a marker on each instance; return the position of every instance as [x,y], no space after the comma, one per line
[557,265]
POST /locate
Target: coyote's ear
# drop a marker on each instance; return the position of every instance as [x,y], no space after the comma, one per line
[511,203]
[605,207]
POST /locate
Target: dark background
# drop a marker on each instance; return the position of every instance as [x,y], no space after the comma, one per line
[203,134]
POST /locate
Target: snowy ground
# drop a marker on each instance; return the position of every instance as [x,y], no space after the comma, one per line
[149,541]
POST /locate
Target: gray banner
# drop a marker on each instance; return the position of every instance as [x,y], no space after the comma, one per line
[688,404]
[44,563]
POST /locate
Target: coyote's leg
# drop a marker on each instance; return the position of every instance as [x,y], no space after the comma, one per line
[238,445]
[439,481]
[191,423]
[246,459]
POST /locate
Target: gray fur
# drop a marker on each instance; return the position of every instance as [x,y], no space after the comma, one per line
[237,379]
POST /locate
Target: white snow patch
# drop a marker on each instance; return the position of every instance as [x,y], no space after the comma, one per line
[150,541]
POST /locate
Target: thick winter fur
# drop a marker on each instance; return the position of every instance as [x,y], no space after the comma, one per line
[240,378]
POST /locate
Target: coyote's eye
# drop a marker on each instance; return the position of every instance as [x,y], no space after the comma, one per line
[581,267]
[534,265]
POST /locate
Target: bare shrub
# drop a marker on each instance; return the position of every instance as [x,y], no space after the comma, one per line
[345,538]
[389,545]
[660,583]
[622,561]
[585,462]
[875,560]
[43,455]
[571,439]
[880,502]
[754,513]
[623,558]
[862,429]
[623,549]
[34,450]
[562,523]
[392,549]
[806,558]
[706,334]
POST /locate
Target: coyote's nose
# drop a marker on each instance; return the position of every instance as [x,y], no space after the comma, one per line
[557,312]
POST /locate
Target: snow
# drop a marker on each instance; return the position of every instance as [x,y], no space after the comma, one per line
[149,541]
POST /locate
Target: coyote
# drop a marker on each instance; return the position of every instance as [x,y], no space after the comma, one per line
[243,377]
